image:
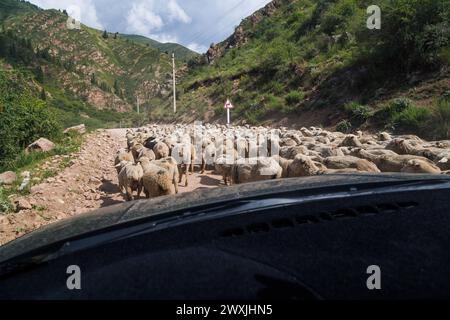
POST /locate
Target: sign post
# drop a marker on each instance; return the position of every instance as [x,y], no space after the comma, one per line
[228,106]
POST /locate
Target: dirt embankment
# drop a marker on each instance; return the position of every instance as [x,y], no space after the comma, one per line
[89,183]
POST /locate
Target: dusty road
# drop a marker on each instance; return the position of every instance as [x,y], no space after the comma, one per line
[88,183]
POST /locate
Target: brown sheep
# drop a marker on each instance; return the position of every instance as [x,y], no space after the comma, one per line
[397,163]
[256,169]
[160,177]
[147,153]
[302,166]
[161,150]
[349,162]
[223,166]
[351,141]
[122,156]
[420,166]
[130,180]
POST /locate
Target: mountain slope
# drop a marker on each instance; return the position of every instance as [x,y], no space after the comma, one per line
[303,62]
[107,72]
[182,53]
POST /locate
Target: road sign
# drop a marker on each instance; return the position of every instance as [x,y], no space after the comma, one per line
[228,105]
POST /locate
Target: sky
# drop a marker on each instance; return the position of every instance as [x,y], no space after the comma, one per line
[193,23]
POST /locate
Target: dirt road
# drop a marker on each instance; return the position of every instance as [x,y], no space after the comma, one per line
[88,183]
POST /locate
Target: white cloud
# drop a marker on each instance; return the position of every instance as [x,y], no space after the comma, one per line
[177,13]
[148,17]
[87,10]
[197,47]
[142,20]
[164,38]
[195,23]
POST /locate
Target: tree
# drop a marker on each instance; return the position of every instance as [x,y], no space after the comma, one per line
[115,35]
[39,73]
[117,90]
[43,95]
[94,79]
[105,35]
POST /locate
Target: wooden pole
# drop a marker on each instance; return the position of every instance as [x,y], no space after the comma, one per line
[174,85]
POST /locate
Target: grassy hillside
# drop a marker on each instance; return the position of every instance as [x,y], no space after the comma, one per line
[182,53]
[305,62]
[105,70]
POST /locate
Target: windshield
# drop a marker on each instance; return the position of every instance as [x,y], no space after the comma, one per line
[103,103]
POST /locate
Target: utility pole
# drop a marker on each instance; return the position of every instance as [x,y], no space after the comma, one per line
[138,105]
[174,85]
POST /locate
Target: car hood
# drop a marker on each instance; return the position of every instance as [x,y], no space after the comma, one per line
[135,212]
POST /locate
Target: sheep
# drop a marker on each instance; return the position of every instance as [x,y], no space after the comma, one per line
[292,152]
[300,166]
[397,163]
[444,164]
[122,156]
[384,136]
[160,177]
[161,150]
[186,155]
[326,151]
[130,179]
[135,151]
[351,141]
[420,166]
[147,153]
[349,162]
[223,166]
[288,142]
[208,156]
[256,169]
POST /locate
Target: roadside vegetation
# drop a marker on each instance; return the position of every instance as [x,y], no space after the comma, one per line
[319,55]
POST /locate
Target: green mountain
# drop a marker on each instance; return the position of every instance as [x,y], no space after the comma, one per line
[305,62]
[182,53]
[53,77]
[106,71]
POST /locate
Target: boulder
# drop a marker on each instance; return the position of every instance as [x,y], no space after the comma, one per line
[81,129]
[7,178]
[41,145]
[23,204]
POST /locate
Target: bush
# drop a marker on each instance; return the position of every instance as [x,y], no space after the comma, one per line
[441,118]
[5,204]
[23,119]
[294,97]
[357,112]
[344,126]
[411,34]
[393,109]
[412,119]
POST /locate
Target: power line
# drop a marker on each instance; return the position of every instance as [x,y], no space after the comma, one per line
[201,35]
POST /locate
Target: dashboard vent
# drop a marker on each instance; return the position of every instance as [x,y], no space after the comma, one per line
[321,217]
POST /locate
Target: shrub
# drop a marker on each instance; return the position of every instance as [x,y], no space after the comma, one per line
[441,118]
[412,119]
[294,97]
[23,119]
[393,109]
[5,204]
[358,112]
[344,126]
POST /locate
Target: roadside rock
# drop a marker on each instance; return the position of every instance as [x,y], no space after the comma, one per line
[23,204]
[41,145]
[81,129]
[7,178]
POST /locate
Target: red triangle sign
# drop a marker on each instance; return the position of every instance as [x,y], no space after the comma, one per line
[228,105]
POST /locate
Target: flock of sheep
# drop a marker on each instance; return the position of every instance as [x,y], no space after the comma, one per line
[159,157]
